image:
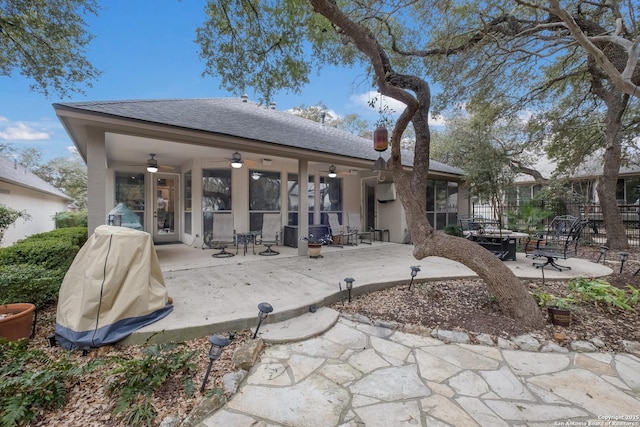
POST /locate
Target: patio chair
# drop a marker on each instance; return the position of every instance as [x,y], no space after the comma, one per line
[337,231]
[270,233]
[222,235]
[355,230]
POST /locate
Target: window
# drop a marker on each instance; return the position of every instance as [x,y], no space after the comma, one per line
[264,196]
[442,203]
[293,194]
[216,194]
[130,191]
[264,191]
[632,187]
[187,202]
[292,198]
[330,197]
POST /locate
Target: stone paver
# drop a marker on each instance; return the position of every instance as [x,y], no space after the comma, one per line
[357,374]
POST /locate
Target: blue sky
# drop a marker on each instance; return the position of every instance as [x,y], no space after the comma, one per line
[146,50]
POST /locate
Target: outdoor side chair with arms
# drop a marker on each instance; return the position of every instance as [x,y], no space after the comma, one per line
[221,235]
[559,242]
[270,233]
[355,230]
[337,231]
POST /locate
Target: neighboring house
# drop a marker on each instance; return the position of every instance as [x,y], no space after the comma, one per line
[23,191]
[194,142]
[584,181]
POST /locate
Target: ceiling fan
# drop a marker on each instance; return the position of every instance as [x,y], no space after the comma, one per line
[152,164]
[236,161]
[333,172]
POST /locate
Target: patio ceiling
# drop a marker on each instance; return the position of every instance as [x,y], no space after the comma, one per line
[132,152]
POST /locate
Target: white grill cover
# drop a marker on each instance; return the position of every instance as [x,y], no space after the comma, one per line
[113,287]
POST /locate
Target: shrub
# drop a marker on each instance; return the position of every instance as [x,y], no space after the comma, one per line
[30,382]
[8,216]
[29,283]
[70,219]
[601,291]
[136,380]
[32,270]
[76,235]
[454,230]
[52,254]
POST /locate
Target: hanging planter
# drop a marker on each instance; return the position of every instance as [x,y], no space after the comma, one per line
[17,321]
[380,138]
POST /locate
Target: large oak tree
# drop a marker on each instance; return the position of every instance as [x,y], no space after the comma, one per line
[575,67]
[264,46]
[46,40]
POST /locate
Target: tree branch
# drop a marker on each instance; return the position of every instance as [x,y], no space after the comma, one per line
[621,80]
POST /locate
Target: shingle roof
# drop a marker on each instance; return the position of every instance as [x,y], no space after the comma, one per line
[235,117]
[16,174]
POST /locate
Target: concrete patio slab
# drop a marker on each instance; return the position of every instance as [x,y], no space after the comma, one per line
[213,295]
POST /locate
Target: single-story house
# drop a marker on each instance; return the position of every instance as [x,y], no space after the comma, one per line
[24,191]
[582,182]
[277,157]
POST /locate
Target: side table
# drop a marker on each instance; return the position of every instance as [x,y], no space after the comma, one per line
[244,239]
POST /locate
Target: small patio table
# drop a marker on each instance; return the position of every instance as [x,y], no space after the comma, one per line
[244,239]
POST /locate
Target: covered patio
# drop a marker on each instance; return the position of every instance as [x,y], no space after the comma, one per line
[212,295]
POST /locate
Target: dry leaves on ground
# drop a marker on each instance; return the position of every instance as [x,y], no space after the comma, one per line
[467,305]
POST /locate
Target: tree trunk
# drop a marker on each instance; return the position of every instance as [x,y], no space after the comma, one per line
[511,293]
[606,189]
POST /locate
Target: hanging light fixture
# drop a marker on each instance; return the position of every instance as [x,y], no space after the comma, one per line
[255,175]
[236,160]
[381,134]
[380,164]
[380,139]
[332,171]
[152,164]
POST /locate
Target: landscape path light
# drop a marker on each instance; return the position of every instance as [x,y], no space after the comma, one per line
[603,254]
[349,282]
[218,342]
[265,308]
[414,273]
[623,258]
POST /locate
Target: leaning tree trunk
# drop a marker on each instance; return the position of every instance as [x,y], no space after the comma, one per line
[606,189]
[511,293]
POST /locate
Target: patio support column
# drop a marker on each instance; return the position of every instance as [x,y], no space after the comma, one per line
[96,180]
[303,205]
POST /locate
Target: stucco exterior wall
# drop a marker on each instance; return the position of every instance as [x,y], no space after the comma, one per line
[41,206]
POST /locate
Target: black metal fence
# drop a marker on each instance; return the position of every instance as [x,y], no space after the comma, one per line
[595,233]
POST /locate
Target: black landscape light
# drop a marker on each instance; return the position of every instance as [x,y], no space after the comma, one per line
[603,254]
[218,342]
[623,258]
[414,273]
[265,308]
[349,282]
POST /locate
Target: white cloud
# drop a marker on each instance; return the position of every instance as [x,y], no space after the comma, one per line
[20,131]
[361,101]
